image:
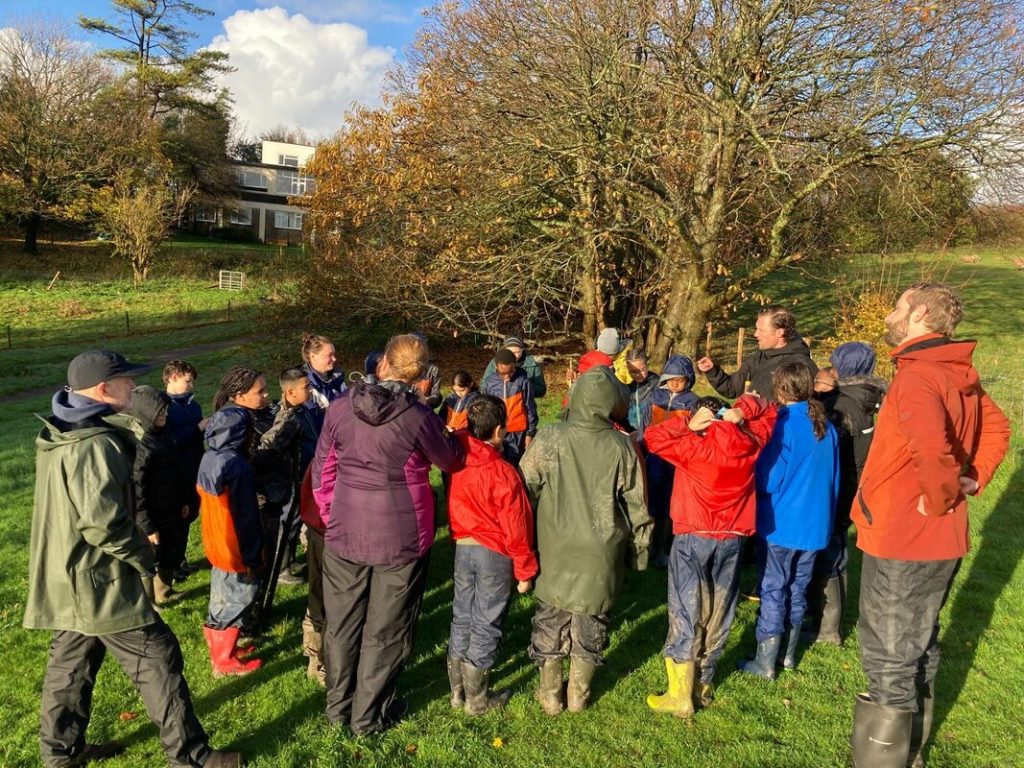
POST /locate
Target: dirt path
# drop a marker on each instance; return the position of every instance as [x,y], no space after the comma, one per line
[163,357]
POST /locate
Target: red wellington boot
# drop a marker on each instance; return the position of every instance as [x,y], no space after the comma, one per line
[223,653]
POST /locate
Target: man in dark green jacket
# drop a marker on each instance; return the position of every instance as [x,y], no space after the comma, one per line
[587,484]
[87,559]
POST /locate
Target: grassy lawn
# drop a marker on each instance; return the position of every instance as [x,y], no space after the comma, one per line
[803,719]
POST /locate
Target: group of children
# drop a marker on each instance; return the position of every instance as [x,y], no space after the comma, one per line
[562,510]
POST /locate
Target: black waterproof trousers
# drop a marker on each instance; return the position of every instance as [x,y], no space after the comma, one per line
[900,602]
[371,614]
[151,657]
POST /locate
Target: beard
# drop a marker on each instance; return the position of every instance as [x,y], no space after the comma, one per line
[896,333]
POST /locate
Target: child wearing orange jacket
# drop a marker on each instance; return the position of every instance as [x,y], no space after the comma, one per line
[712,508]
[232,536]
[492,525]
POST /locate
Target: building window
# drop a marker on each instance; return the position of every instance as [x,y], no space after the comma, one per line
[206,215]
[291,160]
[294,183]
[286,220]
[252,179]
[242,217]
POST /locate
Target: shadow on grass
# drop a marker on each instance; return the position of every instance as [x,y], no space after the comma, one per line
[970,615]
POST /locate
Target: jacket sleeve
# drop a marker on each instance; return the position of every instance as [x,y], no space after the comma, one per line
[325,444]
[759,417]
[245,513]
[922,420]
[633,498]
[283,434]
[141,477]
[434,398]
[531,464]
[531,410]
[98,495]
[670,441]
[537,380]
[440,447]
[773,464]
[728,385]
[994,439]
[516,519]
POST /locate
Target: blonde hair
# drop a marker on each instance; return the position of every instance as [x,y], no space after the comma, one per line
[945,310]
[407,357]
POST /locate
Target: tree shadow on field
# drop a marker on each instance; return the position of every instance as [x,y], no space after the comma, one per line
[991,570]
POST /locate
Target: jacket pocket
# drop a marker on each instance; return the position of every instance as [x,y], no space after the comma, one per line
[109,591]
[864,506]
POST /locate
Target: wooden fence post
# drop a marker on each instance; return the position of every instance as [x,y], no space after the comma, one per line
[127,325]
[707,341]
[740,338]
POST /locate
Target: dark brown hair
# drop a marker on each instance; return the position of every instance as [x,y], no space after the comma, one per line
[179,368]
[485,414]
[781,318]
[794,383]
[464,379]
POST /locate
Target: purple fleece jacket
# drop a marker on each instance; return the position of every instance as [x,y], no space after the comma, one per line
[382,510]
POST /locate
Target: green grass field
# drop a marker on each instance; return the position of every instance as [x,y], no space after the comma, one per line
[803,719]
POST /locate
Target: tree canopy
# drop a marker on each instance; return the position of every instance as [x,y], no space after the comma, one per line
[564,165]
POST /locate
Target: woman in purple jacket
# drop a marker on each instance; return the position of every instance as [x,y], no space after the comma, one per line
[380,530]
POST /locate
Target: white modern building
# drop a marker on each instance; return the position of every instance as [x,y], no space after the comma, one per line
[262,211]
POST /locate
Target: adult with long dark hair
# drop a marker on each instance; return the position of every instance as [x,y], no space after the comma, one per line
[381,526]
[797,484]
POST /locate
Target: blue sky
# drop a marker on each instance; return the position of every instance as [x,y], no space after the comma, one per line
[299,63]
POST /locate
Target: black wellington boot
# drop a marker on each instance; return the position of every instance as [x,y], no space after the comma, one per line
[881,735]
[921,726]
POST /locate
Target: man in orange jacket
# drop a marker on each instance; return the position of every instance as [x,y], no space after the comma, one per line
[939,438]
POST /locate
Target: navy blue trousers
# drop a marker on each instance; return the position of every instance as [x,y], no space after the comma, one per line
[703,587]
[483,589]
[784,578]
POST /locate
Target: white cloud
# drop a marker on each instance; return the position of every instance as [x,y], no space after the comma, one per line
[292,71]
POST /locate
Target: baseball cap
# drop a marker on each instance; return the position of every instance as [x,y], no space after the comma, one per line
[90,368]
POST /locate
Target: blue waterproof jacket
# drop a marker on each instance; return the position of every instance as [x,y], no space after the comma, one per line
[797,482]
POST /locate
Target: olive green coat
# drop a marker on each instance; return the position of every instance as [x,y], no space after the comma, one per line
[587,484]
[86,555]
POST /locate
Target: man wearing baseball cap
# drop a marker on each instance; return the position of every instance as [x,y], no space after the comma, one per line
[86,563]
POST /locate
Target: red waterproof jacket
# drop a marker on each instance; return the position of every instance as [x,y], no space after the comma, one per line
[936,424]
[487,501]
[713,493]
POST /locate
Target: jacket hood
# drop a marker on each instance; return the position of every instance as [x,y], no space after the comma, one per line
[866,390]
[381,402]
[147,404]
[478,453]
[936,348]
[795,347]
[70,409]
[228,429]
[597,398]
[676,366]
[853,359]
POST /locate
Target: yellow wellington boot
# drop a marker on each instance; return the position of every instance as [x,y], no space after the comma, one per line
[678,700]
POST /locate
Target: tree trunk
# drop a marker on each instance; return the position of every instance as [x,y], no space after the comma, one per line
[683,319]
[32,234]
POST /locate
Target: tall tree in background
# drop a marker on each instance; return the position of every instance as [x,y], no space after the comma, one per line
[645,163]
[154,50]
[172,88]
[62,131]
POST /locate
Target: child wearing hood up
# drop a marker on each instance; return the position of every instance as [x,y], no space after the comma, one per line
[160,503]
[232,537]
[673,398]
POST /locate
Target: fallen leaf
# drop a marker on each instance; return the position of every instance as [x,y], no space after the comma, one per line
[124,717]
[497,743]
[410,749]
